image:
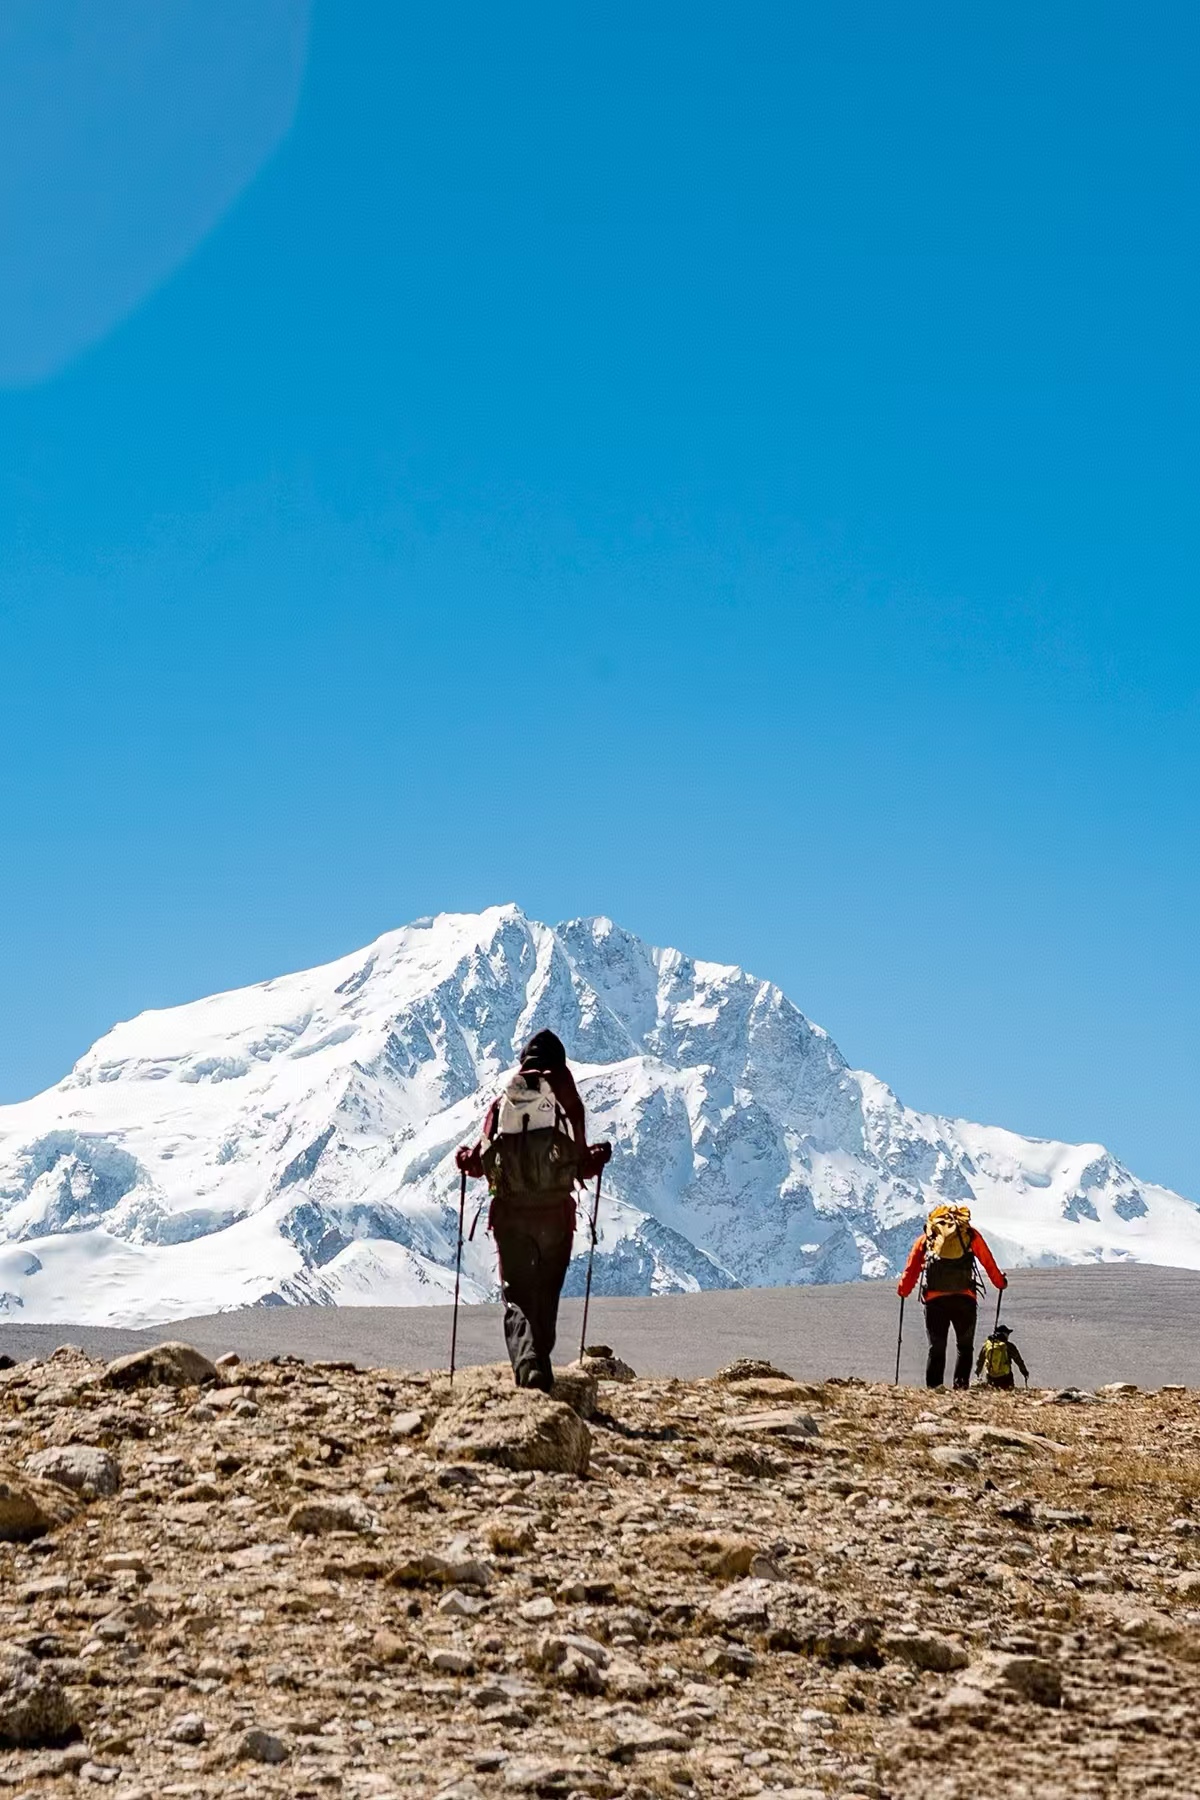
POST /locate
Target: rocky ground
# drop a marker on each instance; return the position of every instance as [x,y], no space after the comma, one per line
[309,1579]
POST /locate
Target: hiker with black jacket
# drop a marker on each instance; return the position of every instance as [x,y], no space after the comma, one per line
[944,1260]
[533,1150]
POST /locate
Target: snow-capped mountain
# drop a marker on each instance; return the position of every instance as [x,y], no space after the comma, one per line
[293,1142]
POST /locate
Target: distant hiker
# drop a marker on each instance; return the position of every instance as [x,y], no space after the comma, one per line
[996,1360]
[944,1260]
[533,1150]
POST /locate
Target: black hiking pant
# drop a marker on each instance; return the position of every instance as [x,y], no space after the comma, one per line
[534,1253]
[1002,1381]
[941,1312]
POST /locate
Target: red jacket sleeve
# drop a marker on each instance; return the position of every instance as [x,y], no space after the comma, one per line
[567,1094]
[979,1245]
[912,1268]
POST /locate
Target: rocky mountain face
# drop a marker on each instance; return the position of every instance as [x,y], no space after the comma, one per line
[302,1579]
[293,1142]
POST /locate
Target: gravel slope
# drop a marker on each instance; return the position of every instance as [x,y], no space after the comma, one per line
[1075,1327]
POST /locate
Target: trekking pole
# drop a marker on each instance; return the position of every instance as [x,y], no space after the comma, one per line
[999,1303]
[462,1207]
[899,1341]
[587,1292]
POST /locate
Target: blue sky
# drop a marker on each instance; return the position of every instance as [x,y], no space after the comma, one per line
[766,435]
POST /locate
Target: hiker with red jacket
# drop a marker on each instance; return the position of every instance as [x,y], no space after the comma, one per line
[533,1150]
[945,1256]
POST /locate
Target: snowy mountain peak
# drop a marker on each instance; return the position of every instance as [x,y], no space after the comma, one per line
[293,1141]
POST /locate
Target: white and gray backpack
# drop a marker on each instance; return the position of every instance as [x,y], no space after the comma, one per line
[530,1157]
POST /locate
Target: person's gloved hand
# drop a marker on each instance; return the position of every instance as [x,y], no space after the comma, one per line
[594,1159]
[468,1160]
[1003,1283]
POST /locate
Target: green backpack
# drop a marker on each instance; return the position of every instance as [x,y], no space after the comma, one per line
[997,1359]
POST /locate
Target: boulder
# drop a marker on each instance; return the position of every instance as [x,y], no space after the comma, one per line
[82,1467]
[520,1429]
[30,1507]
[164,1365]
[576,1387]
[34,1710]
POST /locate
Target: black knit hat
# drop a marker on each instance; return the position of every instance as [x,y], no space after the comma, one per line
[544,1051]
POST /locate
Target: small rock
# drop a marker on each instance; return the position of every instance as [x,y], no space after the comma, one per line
[389,1647]
[717,1554]
[750,1368]
[166,1365]
[34,1710]
[452,1662]
[312,1518]
[510,1540]
[743,1606]
[599,1361]
[46,1587]
[188,1728]
[730,1659]
[995,1437]
[627,1680]
[1006,1676]
[30,1507]
[230,1360]
[427,1568]
[537,1610]
[951,1456]
[1136,1718]
[406,1424]
[926,1650]
[257,1745]
[1114,1390]
[641,1737]
[461,1606]
[81,1467]
[574,1661]
[780,1421]
[543,1775]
